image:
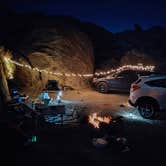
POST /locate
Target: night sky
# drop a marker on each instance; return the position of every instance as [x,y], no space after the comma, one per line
[114,15]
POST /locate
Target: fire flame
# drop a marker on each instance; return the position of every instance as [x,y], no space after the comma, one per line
[95,120]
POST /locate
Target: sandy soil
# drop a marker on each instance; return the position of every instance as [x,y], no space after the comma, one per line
[97,101]
[91,96]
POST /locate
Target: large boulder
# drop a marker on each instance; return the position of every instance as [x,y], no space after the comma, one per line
[60,47]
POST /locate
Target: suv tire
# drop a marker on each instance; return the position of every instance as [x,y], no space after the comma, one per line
[147,109]
[102,87]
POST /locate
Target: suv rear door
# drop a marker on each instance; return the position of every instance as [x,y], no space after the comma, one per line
[159,88]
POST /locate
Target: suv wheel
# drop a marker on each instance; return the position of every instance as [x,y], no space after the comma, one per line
[102,87]
[147,109]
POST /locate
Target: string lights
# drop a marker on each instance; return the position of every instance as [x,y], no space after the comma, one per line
[138,67]
[9,68]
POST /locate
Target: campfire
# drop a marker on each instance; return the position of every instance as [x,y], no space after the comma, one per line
[95,119]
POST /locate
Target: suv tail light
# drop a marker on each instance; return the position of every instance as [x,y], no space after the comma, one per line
[135,87]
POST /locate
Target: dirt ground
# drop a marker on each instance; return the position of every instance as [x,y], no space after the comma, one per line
[91,96]
[72,144]
[97,102]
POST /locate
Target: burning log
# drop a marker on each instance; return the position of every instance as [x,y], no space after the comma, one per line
[114,128]
[106,125]
[95,120]
[109,134]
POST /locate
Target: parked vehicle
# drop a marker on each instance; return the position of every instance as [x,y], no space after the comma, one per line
[148,94]
[120,82]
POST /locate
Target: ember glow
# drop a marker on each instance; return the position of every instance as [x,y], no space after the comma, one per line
[139,67]
[95,120]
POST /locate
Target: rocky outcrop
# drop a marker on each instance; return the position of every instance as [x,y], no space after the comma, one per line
[134,57]
[57,47]
[137,46]
[148,46]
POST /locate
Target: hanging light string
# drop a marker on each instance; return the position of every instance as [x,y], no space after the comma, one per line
[138,67]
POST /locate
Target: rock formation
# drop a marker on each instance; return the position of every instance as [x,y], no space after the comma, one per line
[57,46]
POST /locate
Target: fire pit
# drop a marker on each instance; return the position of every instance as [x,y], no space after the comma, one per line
[108,132]
[103,125]
[95,120]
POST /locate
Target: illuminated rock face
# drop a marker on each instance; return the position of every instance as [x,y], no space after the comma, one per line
[145,46]
[135,57]
[133,46]
[57,48]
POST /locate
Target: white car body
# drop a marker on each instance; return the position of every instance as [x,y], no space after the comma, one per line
[148,91]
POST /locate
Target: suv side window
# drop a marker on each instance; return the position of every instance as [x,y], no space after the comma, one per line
[157,83]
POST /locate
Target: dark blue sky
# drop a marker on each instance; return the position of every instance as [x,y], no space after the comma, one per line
[114,15]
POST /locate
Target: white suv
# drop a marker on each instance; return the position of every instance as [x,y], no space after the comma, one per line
[148,94]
